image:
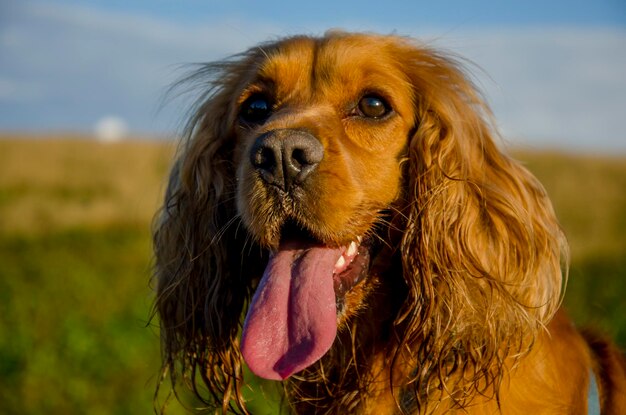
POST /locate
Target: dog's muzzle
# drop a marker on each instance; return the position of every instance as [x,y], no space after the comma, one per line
[285,158]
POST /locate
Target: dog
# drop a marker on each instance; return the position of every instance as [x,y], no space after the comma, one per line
[347,196]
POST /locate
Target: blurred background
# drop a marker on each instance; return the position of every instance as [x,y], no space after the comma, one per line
[86,139]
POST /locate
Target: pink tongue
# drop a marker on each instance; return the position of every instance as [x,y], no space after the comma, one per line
[292,320]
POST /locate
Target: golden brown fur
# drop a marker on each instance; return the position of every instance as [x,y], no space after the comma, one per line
[459,310]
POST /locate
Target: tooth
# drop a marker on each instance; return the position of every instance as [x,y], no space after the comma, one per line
[351,249]
[359,238]
[340,262]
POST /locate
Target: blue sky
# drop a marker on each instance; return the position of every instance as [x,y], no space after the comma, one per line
[553,71]
[444,13]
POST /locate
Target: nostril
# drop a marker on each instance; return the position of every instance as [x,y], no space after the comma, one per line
[304,150]
[264,158]
[302,153]
[299,158]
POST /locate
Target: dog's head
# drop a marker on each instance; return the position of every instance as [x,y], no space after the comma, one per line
[322,128]
[317,165]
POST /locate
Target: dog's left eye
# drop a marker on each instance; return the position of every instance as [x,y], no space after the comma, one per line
[373,106]
[255,109]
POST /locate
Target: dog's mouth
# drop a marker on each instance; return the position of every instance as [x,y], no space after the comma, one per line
[352,262]
[292,319]
[351,268]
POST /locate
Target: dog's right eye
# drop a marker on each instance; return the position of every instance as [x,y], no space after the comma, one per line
[373,106]
[255,109]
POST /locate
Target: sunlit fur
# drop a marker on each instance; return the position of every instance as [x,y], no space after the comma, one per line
[458,310]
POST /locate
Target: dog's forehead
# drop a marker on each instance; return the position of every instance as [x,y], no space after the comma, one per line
[338,65]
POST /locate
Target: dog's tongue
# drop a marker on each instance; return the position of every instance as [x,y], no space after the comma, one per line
[292,320]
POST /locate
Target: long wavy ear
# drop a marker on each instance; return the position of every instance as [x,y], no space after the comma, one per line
[482,250]
[202,280]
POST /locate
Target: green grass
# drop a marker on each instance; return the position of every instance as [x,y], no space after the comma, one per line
[75,262]
[595,295]
[73,315]
[589,196]
[75,336]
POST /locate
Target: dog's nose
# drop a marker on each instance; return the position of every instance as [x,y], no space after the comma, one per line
[286,157]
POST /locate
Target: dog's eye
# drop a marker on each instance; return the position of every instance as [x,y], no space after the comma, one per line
[373,106]
[255,109]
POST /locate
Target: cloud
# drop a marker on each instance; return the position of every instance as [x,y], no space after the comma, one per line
[110,129]
[558,87]
[65,67]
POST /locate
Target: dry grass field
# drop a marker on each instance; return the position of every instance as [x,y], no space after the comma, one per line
[56,183]
[75,264]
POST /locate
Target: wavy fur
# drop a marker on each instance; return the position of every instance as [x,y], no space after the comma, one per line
[462,291]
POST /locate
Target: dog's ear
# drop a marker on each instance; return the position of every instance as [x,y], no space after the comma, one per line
[202,285]
[482,249]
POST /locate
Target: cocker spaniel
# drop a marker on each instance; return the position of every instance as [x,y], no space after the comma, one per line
[341,219]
